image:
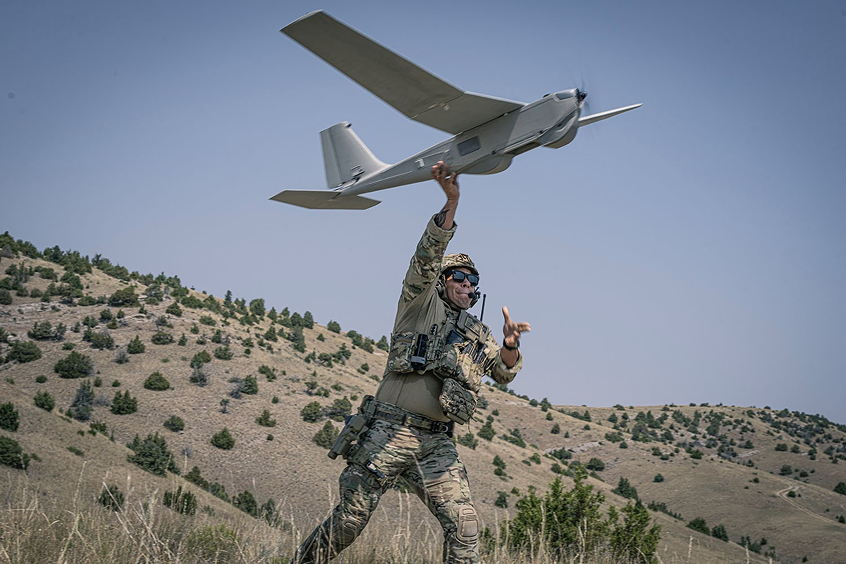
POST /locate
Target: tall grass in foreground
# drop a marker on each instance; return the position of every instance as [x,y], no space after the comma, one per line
[37,531]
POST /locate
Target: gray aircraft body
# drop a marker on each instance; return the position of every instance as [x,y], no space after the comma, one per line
[488,132]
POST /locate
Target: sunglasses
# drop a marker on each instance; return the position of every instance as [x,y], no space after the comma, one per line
[459,276]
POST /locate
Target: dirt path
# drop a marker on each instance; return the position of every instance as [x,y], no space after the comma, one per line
[783,495]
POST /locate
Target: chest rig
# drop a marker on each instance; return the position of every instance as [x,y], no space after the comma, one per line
[455,351]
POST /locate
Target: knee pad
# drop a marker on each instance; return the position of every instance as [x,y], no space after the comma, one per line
[467,528]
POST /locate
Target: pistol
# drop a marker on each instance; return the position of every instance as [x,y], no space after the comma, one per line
[353,426]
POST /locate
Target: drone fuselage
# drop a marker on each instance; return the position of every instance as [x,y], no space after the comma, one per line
[485,149]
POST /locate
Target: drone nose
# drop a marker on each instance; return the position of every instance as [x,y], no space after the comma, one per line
[581,95]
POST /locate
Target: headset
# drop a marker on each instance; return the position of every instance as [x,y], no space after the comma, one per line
[441,287]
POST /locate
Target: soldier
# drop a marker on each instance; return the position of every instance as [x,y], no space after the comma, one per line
[438,356]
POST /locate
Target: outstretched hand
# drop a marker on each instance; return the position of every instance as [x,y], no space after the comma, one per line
[447,179]
[512,330]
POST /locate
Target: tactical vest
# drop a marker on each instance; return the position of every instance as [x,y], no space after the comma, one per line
[454,351]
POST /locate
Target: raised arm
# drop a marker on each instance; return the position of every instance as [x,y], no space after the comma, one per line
[426,263]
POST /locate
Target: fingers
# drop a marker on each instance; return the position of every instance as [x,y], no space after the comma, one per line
[506,315]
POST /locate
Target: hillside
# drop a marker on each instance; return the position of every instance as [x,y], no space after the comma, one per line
[760,473]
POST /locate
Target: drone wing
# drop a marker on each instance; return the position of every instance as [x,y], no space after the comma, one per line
[413,91]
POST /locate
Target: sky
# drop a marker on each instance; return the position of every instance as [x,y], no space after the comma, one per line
[692,250]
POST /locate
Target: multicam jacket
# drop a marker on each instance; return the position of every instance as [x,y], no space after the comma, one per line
[421,310]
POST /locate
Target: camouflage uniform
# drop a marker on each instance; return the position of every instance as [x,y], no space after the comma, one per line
[409,437]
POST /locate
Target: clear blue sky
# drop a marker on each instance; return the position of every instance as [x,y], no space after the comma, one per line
[691,250]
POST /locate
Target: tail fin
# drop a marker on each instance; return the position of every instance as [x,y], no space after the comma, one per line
[345,156]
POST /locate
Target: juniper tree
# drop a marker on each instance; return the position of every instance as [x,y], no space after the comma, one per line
[80,408]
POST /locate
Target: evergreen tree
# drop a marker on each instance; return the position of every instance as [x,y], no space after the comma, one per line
[223,440]
[75,365]
[9,419]
[625,489]
[246,502]
[80,408]
[311,412]
[23,351]
[152,454]
[11,453]
[636,538]
[156,382]
[265,420]
[334,326]
[326,436]
[45,401]
[124,404]
[249,385]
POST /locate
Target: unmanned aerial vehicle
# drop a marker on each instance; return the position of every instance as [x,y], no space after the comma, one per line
[488,132]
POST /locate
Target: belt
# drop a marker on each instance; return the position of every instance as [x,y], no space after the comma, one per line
[381,410]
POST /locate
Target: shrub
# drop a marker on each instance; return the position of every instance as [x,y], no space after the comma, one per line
[326,436]
[223,440]
[249,385]
[200,358]
[135,346]
[781,447]
[111,497]
[180,501]
[124,404]
[174,309]
[658,478]
[625,489]
[45,401]
[595,464]
[311,412]
[840,488]
[5,297]
[75,365]
[152,454]
[101,341]
[786,470]
[223,353]
[8,417]
[700,525]
[265,420]
[214,543]
[11,454]
[124,297]
[80,409]
[23,351]
[501,500]
[468,440]
[174,423]
[334,326]
[486,431]
[156,382]
[161,338]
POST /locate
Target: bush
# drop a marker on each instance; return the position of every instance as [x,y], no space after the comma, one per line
[781,447]
[223,440]
[700,525]
[111,497]
[501,500]
[152,454]
[223,353]
[124,297]
[265,420]
[23,351]
[45,401]
[201,358]
[334,326]
[136,346]
[124,404]
[595,464]
[570,523]
[468,440]
[249,385]
[80,409]
[180,501]
[174,309]
[174,423]
[8,417]
[5,297]
[311,412]
[75,365]
[486,431]
[11,454]
[625,489]
[658,478]
[156,382]
[840,488]
[161,338]
[101,341]
[326,436]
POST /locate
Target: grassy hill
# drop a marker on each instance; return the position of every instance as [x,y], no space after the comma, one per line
[766,478]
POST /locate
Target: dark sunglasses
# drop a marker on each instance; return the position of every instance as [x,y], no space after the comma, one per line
[459,276]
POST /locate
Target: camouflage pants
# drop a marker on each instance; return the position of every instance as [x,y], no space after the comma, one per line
[428,463]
